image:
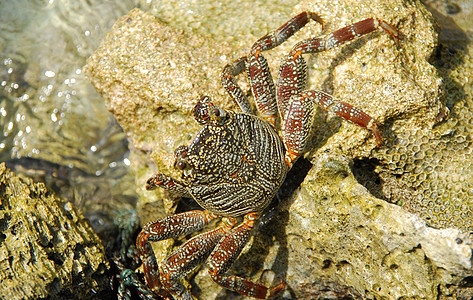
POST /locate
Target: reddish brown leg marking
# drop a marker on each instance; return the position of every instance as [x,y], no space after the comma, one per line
[294,111]
[225,254]
[261,81]
[296,127]
[284,32]
[292,72]
[358,117]
[341,36]
[189,256]
[291,80]
[169,227]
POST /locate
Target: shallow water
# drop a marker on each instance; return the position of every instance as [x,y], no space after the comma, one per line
[56,128]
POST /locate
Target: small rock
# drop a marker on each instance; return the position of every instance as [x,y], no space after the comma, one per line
[47,247]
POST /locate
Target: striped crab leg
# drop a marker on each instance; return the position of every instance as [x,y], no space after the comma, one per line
[296,127]
[226,252]
[261,81]
[185,258]
[296,106]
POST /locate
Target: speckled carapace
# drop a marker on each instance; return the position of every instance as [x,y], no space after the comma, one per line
[237,161]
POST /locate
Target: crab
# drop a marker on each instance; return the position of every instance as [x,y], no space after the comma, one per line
[237,161]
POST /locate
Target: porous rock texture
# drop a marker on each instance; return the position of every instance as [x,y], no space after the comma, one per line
[332,232]
[47,248]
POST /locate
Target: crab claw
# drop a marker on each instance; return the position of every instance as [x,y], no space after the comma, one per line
[168,183]
[158,180]
[206,112]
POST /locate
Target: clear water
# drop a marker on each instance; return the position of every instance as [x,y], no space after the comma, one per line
[55,126]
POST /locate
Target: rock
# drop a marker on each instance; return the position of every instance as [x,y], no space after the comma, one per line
[150,76]
[47,247]
[332,229]
[346,235]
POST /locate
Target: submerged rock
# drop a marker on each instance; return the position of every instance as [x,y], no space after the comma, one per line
[47,247]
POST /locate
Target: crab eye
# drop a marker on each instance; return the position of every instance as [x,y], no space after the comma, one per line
[181,165]
[216,112]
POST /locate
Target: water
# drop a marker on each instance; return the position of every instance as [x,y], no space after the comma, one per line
[55,126]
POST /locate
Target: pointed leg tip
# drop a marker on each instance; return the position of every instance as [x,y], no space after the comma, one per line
[291,157]
[378,137]
[276,290]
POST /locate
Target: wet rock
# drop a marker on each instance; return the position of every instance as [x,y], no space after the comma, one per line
[392,81]
[47,247]
[55,128]
[427,169]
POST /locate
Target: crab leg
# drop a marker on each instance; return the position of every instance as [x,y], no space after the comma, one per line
[225,254]
[166,182]
[176,265]
[261,81]
[262,85]
[294,107]
[297,125]
[343,35]
[229,83]
[292,72]
[189,256]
